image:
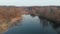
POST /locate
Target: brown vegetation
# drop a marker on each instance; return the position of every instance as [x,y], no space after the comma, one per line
[9,15]
[49,12]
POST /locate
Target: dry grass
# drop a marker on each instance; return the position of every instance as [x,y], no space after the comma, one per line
[8,17]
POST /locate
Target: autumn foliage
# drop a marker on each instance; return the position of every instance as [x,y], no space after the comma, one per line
[49,12]
[9,15]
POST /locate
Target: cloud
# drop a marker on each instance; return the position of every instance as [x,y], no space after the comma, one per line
[29,2]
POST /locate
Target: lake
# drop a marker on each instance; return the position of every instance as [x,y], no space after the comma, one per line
[34,25]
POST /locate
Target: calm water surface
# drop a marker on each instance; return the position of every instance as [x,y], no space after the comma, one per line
[34,25]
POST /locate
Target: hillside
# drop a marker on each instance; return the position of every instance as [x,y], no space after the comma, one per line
[10,15]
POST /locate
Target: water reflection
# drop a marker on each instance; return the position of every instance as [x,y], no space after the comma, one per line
[35,25]
[55,26]
[5,24]
[45,23]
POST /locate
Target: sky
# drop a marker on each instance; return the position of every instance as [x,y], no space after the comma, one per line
[29,2]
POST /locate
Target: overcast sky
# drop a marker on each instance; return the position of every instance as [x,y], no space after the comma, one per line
[30,2]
